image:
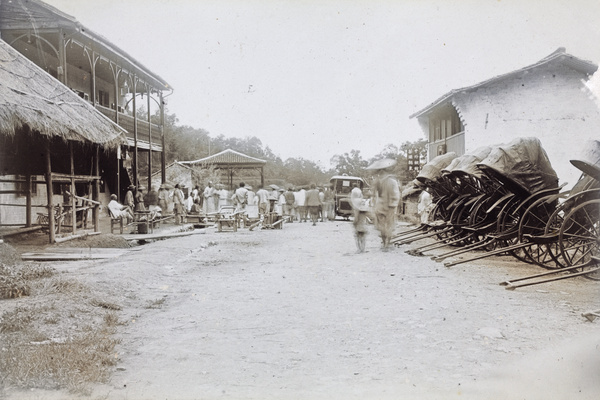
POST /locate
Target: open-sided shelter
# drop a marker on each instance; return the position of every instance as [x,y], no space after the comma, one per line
[231,162]
[49,138]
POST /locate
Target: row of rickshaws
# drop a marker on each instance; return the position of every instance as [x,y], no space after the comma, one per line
[506,199]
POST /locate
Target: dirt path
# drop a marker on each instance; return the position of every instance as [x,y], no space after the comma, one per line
[296,314]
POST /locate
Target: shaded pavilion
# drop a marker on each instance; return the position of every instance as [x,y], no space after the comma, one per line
[231,161]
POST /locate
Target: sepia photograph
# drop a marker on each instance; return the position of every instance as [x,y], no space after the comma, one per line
[299,199]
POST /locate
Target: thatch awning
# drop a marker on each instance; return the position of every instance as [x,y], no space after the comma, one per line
[32,99]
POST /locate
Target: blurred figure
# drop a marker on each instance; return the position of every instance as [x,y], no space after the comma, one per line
[328,205]
[424,206]
[313,202]
[359,220]
[163,199]
[387,197]
[139,199]
[288,207]
[300,196]
[151,201]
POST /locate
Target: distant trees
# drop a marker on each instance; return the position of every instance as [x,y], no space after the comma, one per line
[354,165]
[351,164]
[184,142]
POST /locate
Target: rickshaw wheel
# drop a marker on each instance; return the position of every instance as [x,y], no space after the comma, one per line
[534,222]
[579,234]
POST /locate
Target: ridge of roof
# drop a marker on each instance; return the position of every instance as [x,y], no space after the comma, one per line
[223,153]
[559,54]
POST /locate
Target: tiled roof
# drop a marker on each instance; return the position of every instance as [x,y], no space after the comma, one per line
[227,157]
[559,55]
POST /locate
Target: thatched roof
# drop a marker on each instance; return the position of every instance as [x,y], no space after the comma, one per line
[31,98]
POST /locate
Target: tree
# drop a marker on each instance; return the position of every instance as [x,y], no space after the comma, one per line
[302,172]
[351,164]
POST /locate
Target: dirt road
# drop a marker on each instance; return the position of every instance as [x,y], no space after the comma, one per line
[296,314]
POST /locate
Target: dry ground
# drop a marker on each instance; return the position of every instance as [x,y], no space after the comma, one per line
[296,314]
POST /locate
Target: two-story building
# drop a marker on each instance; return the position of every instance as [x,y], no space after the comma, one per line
[99,72]
[548,100]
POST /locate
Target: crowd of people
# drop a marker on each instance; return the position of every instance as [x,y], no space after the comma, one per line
[293,204]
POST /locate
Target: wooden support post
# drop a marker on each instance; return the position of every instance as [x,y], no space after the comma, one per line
[149,141]
[119,165]
[28,200]
[135,135]
[96,191]
[163,156]
[262,177]
[73,191]
[50,194]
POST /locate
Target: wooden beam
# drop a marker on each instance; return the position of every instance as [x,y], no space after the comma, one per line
[96,191]
[49,193]
[149,139]
[66,178]
[28,201]
[72,183]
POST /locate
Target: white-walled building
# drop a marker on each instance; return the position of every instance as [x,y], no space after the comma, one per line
[548,100]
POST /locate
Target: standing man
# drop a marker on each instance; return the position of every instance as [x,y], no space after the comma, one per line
[240,198]
[300,197]
[313,202]
[209,198]
[263,200]
[387,197]
[163,199]
[129,201]
[288,208]
[328,203]
[178,204]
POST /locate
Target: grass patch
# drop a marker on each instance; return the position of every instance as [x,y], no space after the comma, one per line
[54,364]
[56,338]
[15,279]
[156,304]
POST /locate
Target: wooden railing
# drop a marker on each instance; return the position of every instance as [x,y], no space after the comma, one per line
[126,122]
[455,143]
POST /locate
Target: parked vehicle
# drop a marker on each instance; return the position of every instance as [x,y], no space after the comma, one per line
[341,186]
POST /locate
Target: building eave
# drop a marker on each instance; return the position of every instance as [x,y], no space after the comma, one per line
[560,55]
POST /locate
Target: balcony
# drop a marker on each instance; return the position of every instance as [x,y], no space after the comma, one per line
[454,143]
[126,122]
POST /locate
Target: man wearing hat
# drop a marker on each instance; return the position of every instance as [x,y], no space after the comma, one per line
[129,202]
[387,197]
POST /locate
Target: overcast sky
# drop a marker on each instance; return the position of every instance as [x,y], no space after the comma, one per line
[316,78]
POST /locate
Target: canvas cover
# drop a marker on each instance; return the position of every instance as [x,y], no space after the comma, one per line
[467,163]
[432,171]
[521,165]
